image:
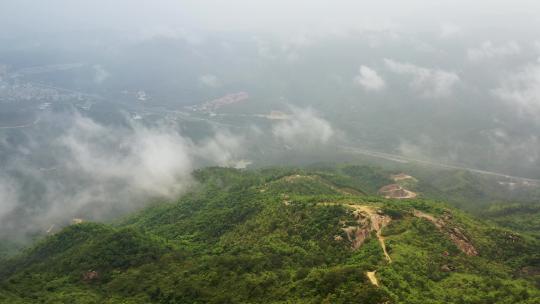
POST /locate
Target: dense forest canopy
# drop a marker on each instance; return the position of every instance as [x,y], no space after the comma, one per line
[278,235]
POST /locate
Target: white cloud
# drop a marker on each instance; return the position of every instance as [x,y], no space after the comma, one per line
[522,89]
[304,128]
[264,49]
[210,80]
[169,32]
[425,147]
[418,148]
[489,51]
[448,30]
[369,79]
[430,83]
[100,74]
[299,40]
[508,147]
[155,161]
[222,149]
[537,45]
[104,171]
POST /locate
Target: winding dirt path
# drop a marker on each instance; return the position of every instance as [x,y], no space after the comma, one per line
[377,221]
[372,278]
[383,246]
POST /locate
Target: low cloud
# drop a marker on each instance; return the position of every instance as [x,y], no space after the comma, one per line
[508,148]
[209,80]
[419,149]
[369,79]
[152,160]
[429,83]
[223,149]
[288,48]
[448,30]
[264,48]
[522,89]
[98,172]
[490,51]
[100,74]
[167,32]
[8,196]
[304,128]
[425,147]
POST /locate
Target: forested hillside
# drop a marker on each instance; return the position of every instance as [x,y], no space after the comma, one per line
[279,235]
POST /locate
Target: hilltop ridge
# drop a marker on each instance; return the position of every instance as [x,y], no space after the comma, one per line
[281,235]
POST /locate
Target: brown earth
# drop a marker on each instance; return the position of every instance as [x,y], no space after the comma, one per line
[368,220]
[396,191]
[401,176]
[90,275]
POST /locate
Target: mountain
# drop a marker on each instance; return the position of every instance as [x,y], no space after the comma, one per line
[337,234]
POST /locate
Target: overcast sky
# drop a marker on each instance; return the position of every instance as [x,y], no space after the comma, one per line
[280,16]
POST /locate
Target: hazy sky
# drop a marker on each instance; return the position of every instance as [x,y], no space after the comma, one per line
[274,16]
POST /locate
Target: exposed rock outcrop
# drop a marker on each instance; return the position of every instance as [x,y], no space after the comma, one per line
[455,234]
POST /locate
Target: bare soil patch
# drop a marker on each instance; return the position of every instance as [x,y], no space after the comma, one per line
[368,220]
[396,191]
[455,234]
[401,177]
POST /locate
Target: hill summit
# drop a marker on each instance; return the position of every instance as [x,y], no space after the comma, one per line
[282,235]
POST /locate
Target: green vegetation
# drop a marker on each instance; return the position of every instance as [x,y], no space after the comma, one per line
[8,248]
[517,216]
[275,236]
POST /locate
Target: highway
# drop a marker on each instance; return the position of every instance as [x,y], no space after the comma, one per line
[404,159]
